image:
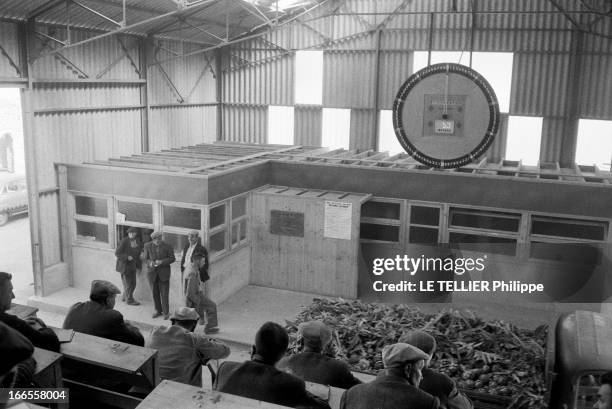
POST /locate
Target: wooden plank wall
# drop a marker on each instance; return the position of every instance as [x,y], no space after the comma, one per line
[311,263]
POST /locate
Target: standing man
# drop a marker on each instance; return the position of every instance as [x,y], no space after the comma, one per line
[158,256]
[128,264]
[195,296]
[6,145]
[194,243]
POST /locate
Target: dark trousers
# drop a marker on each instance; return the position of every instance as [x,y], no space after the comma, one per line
[129,284]
[160,294]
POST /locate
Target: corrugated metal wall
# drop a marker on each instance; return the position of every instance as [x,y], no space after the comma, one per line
[537,33]
[245,123]
[101,116]
[307,123]
[8,42]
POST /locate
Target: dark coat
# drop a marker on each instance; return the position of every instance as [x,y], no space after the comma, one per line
[94,318]
[256,380]
[43,338]
[319,368]
[444,388]
[387,392]
[124,249]
[163,252]
[204,277]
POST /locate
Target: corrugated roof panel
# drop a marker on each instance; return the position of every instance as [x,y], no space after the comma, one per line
[8,42]
[308,125]
[347,79]
[395,68]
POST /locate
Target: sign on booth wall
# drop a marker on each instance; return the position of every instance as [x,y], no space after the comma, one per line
[338,217]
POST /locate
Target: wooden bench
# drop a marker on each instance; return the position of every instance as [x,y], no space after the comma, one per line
[108,360]
[48,373]
[22,311]
[330,394]
[169,394]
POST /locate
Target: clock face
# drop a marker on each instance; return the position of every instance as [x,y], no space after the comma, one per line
[446,115]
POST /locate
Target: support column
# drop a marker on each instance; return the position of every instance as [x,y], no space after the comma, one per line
[574,95]
[143,55]
[219,92]
[376,130]
[25,38]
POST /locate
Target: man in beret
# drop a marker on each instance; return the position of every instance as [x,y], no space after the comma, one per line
[180,352]
[128,263]
[397,387]
[312,364]
[157,257]
[33,329]
[98,316]
[17,365]
[435,383]
[258,378]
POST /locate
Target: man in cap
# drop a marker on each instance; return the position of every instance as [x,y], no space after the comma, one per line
[604,393]
[312,364]
[128,263]
[259,379]
[180,352]
[34,329]
[98,316]
[158,256]
[436,383]
[397,387]
[194,243]
[195,295]
[16,366]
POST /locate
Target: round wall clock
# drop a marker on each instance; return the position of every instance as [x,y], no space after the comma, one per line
[446,115]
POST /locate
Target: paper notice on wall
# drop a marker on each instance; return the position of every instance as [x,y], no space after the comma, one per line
[120,218]
[338,220]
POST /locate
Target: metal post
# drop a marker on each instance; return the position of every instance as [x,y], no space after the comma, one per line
[376,130]
[573,96]
[430,41]
[146,45]
[31,165]
[219,83]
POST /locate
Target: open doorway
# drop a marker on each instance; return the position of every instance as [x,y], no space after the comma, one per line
[15,248]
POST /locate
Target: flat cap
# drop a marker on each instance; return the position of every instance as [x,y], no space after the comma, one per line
[156,234]
[420,339]
[103,288]
[132,229]
[14,348]
[193,233]
[185,314]
[315,332]
[396,355]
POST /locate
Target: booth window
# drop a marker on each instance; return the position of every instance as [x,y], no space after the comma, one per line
[239,220]
[217,217]
[380,221]
[177,222]
[424,224]
[132,214]
[91,219]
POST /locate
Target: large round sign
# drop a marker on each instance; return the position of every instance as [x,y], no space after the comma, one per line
[446,115]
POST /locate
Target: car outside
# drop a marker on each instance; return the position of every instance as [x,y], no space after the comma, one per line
[13,196]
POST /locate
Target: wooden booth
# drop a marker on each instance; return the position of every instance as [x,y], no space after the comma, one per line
[312,219]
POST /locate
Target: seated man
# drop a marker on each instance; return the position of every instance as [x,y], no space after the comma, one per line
[312,365]
[604,394]
[33,328]
[395,388]
[435,383]
[259,379]
[97,316]
[195,270]
[180,352]
[16,366]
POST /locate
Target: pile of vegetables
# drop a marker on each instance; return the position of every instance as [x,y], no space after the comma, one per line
[489,357]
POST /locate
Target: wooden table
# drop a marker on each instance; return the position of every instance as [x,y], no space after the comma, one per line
[169,394]
[22,311]
[48,373]
[108,359]
[330,394]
